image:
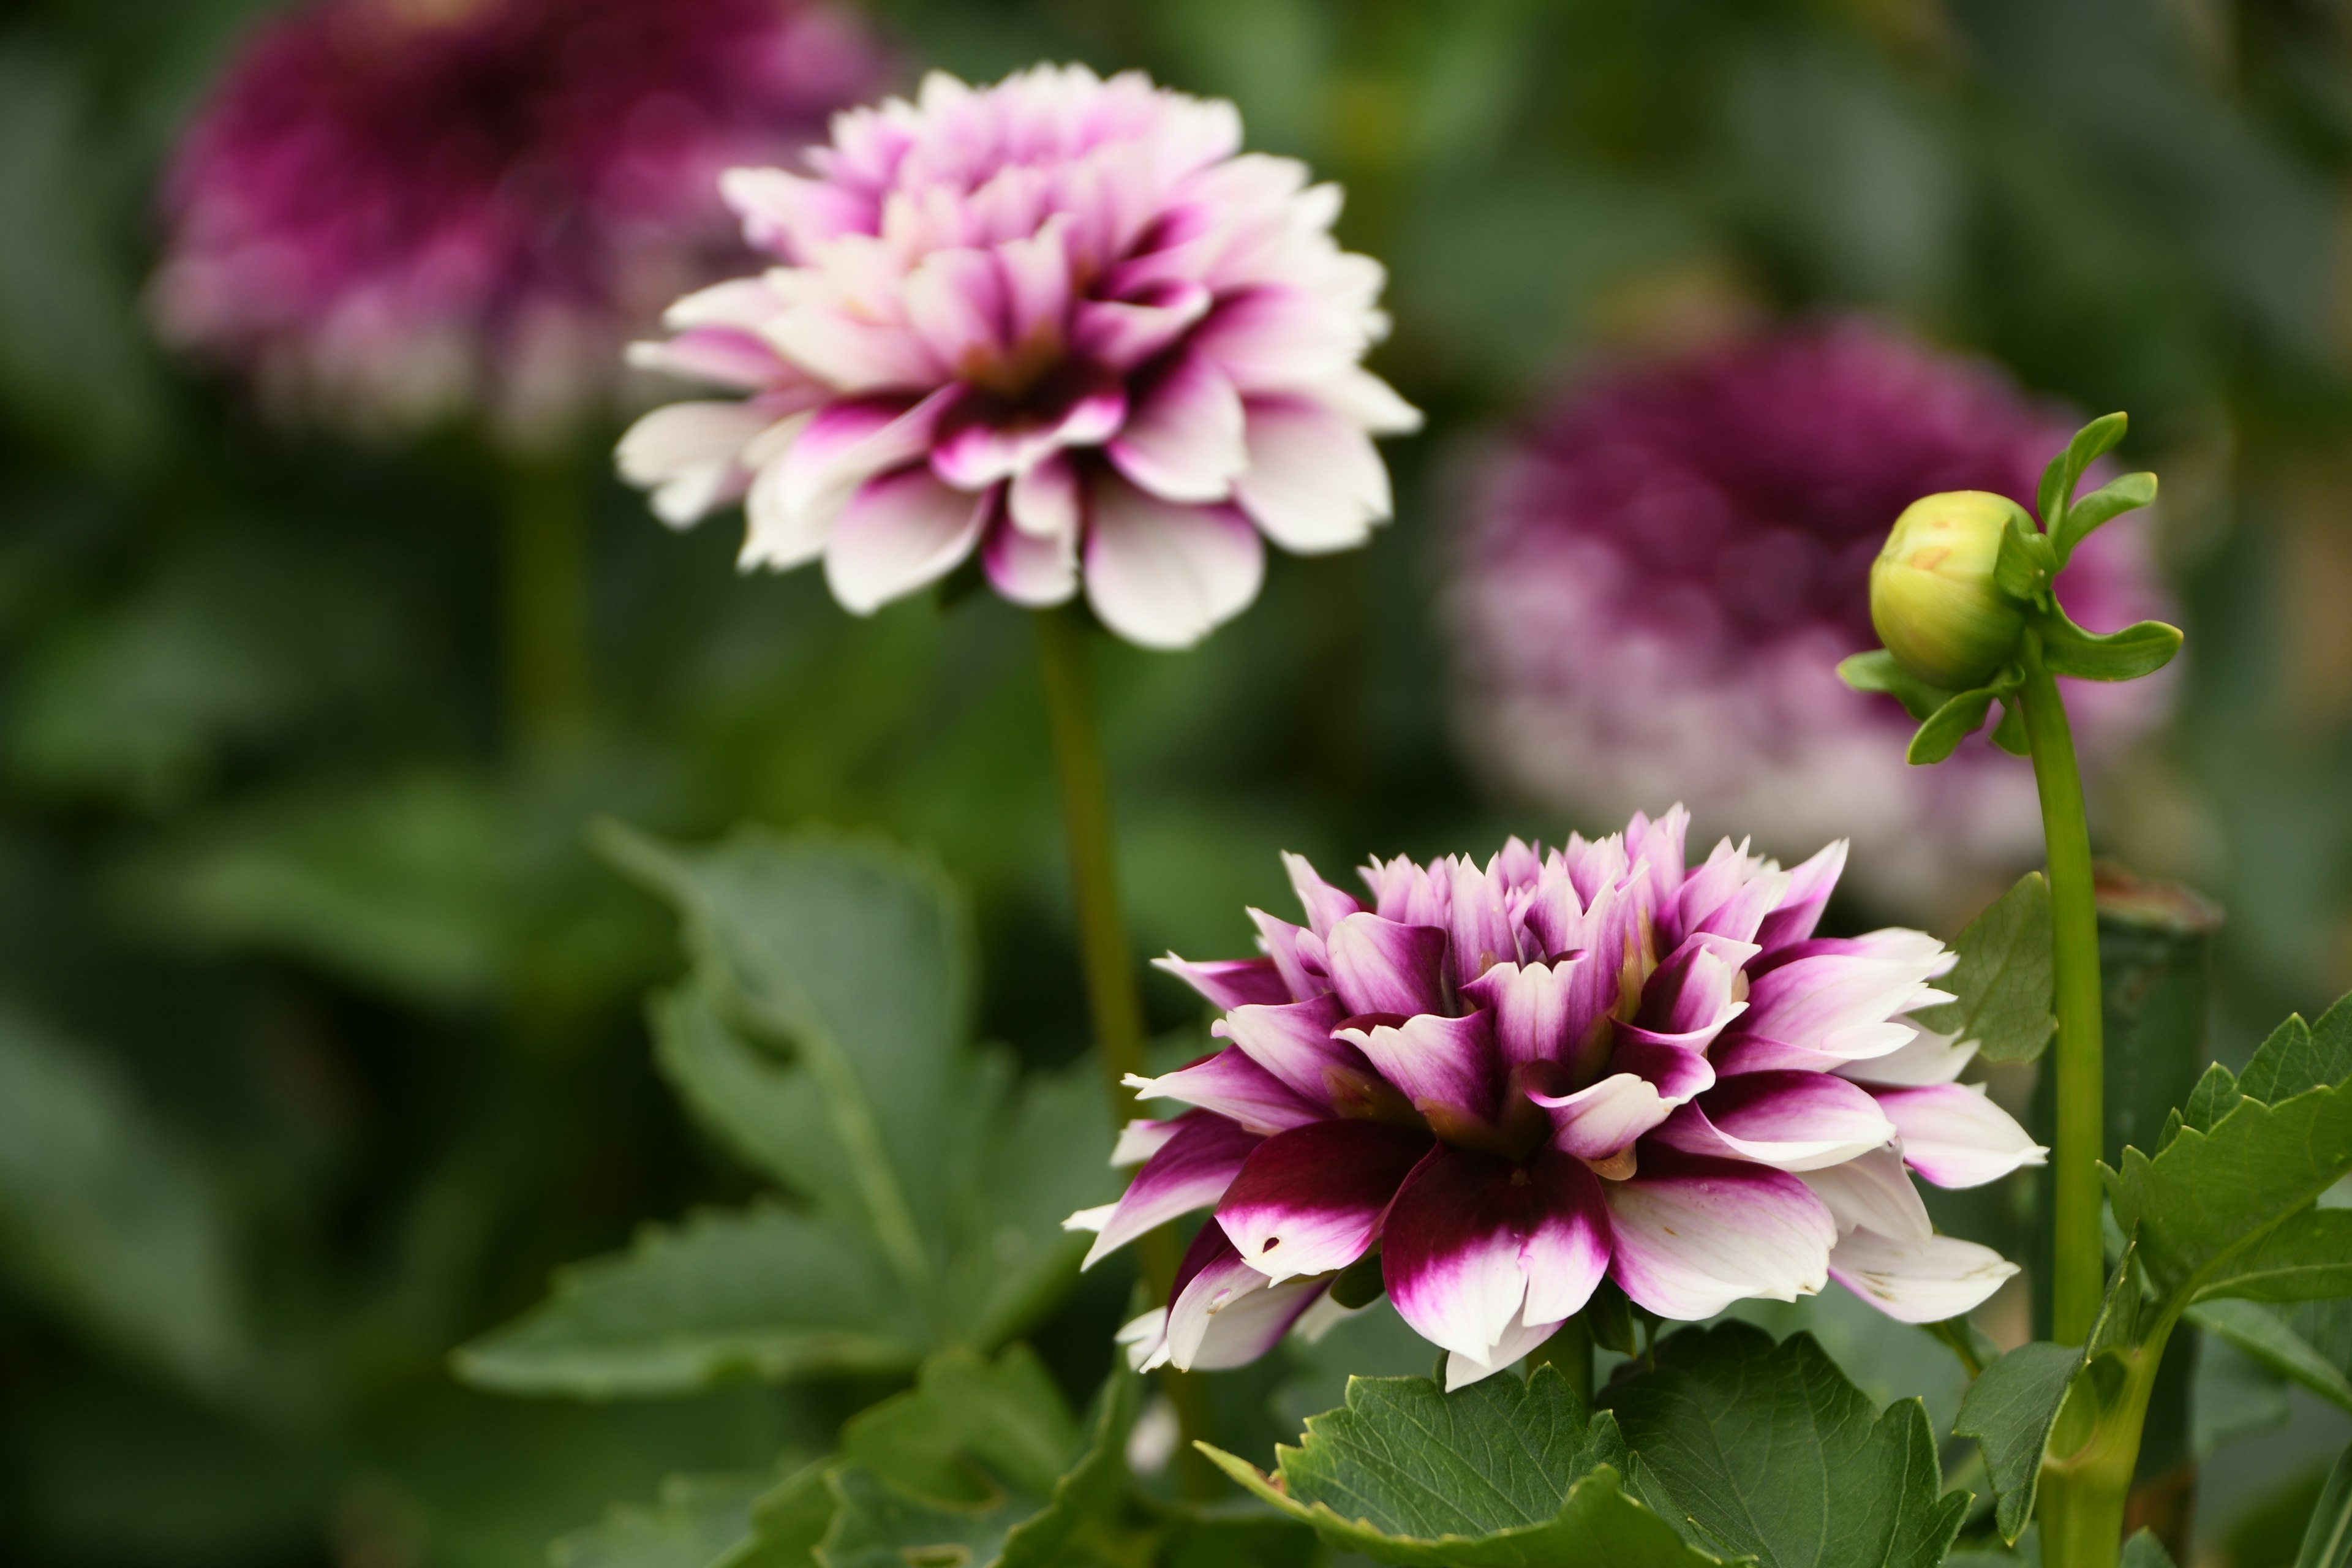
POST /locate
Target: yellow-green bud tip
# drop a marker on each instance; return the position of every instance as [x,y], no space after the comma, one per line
[1932,598]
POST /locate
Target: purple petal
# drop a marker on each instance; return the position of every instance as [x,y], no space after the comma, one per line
[1874,1191]
[1954,1135]
[1293,1041]
[1229,982]
[1164,575]
[1808,893]
[1690,1235]
[1279,339]
[1325,905]
[1658,846]
[1311,1199]
[1295,953]
[1035,272]
[1693,995]
[983,441]
[847,442]
[1598,1122]
[1535,1009]
[1730,895]
[1225,1313]
[1182,442]
[1190,1171]
[1229,1084]
[1123,334]
[1380,966]
[1445,1066]
[1476,1244]
[1029,570]
[1790,1120]
[1825,1008]
[899,532]
[1478,923]
[954,301]
[1922,1280]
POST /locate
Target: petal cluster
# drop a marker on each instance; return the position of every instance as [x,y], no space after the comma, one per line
[1061,325]
[1515,1081]
[390,211]
[1661,571]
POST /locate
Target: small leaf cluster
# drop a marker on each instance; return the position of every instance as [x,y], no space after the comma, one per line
[2026,573]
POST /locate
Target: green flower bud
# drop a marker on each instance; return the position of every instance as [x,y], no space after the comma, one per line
[1932,595]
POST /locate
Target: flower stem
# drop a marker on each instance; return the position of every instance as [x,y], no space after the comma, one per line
[545,607]
[2078,1265]
[1112,995]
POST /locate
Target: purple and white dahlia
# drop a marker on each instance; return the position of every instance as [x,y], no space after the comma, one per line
[1060,322]
[1515,1081]
[1661,572]
[395,210]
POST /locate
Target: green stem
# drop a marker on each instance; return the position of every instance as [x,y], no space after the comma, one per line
[1112,995]
[2094,1449]
[545,598]
[1570,1350]
[2078,1265]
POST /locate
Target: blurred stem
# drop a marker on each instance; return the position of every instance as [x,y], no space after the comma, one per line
[545,591]
[1570,1350]
[2078,1264]
[1112,996]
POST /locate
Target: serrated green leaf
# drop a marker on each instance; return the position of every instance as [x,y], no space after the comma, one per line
[2002,979]
[1771,1453]
[698,1520]
[2327,1541]
[2139,649]
[2299,1056]
[762,1292]
[2055,495]
[978,1463]
[2270,1337]
[1878,670]
[1946,728]
[2145,1550]
[2010,1410]
[787,1520]
[768,1112]
[1048,1152]
[2309,1257]
[1498,1475]
[2216,1095]
[2102,505]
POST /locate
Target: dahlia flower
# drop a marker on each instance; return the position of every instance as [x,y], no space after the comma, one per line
[1059,323]
[1515,1081]
[1660,573]
[396,210]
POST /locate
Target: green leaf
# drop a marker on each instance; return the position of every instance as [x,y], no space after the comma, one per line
[2093,441]
[2299,1056]
[1877,670]
[1946,728]
[698,1520]
[2102,505]
[2010,1410]
[1048,1153]
[1239,1541]
[2308,1257]
[978,1464]
[1498,1475]
[2010,734]
[2026,563]
[787,1521]
[1769,1452]
[763,1292]
[2327,1543]
[2271,1337]
[105,1217]
[2145,1550]
[770,1114]
[2136,650]
[2001,983]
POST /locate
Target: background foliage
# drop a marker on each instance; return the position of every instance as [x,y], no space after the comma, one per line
[321,1027]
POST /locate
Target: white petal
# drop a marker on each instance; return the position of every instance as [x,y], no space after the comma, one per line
[1314,482]
[1928,1058]
[897,533]
[1873,1192]
[1923,1280]
[1954,1134]
[1164,575]
[1517,1340]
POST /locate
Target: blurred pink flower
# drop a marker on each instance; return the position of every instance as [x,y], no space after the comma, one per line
[392,211]
[1661,572]
[1515,1080]
[1060,322]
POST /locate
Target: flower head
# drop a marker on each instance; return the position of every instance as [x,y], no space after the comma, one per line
[399,209]
[1662,572]
[1062,324]
[1516,1080]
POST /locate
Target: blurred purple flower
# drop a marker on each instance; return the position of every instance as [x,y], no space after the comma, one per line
[1661,572]
[1060,323]
[395,210]
[1519,1079]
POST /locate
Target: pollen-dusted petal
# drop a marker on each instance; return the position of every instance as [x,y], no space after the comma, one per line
[1380,966]
[1189,1171]
[1873,1192]
[1691,1235]
[1231,1085]
[1229,982]
[1919,1280]
[1164,575]
[1476,1244]
[1790,1120]
[1954,1134]
[1311,1199]
[899,532]
[1443,1066]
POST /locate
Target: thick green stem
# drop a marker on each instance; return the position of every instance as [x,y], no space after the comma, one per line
[2078,1264]
[1570,1350]
[2094,1449]
[1112,996]
[545,594]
